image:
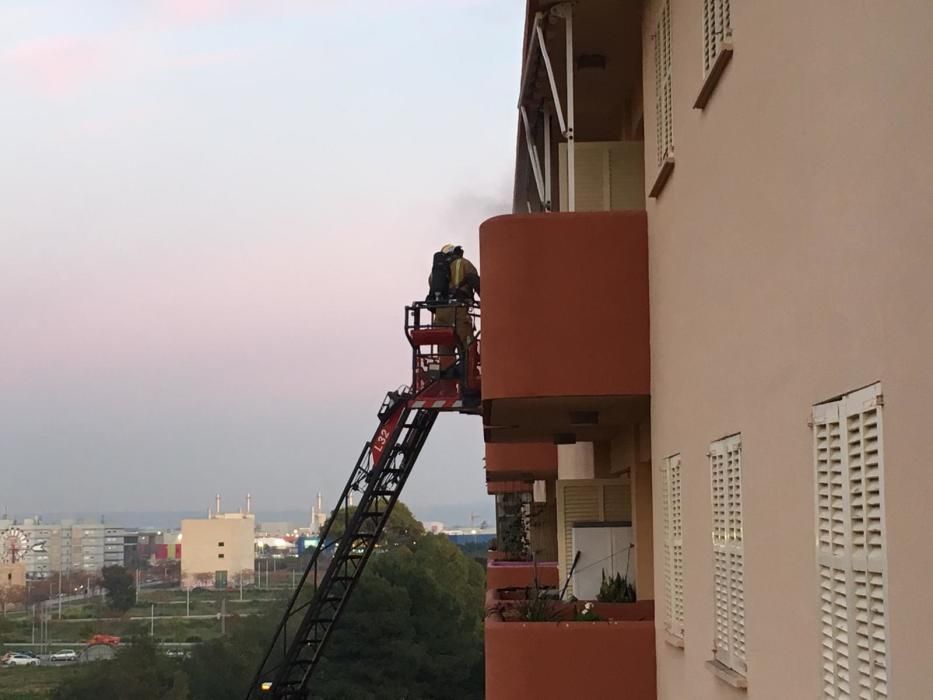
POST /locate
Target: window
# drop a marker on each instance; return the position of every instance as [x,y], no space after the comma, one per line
[673,547]
[662,85]
[849,465]
[717,30]
[220,544]
[587,501]
[725,458]
[717,47]
[663,99]
[220,556]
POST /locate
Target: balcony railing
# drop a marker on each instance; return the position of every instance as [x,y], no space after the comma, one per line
[564,657]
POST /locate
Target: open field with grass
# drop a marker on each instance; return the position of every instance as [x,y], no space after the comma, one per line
[24,683]
[168,613]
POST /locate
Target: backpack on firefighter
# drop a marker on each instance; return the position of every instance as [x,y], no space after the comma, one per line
[439,289]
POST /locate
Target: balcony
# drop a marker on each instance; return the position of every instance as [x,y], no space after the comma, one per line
[520,462]
[565,325]
[563,658]
[494,488]
[502,575]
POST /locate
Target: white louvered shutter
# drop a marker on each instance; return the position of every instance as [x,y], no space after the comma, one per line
[848,460]
[664,133]
[673,547]
[609,175]
[728,553]
[717,28]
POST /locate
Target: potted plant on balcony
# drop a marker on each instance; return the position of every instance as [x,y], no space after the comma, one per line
[536,605]
[587,614]
[512,527]
[615,589]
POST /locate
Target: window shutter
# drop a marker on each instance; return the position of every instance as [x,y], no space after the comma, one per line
[728,553]
[591,168]
[673,546]
[848,460]
[717,28]
[587,501]
[609,175]
[662,85]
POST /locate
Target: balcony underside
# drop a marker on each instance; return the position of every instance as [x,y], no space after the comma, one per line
[562,419]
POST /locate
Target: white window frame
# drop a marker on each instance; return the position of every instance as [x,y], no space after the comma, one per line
[851,544]
[725,457]
[672,506]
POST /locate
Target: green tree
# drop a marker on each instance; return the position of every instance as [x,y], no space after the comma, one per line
[121,591]
[403,528]
[413,630]
[138,672]
[224,668]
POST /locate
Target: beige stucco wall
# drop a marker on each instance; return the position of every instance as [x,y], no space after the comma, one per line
[790,261]
[13,575]
[200,548]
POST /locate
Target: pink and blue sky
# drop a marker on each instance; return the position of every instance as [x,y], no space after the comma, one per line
[212,215]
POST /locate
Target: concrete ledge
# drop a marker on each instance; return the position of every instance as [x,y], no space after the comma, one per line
[727,675]
[520,574]
[715,73]
[664,174]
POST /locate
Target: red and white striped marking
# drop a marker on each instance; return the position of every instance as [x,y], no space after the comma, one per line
[437,403]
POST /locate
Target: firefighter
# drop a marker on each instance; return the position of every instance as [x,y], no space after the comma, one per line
[453,279]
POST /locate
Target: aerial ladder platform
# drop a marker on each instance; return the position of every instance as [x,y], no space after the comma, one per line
[445,377]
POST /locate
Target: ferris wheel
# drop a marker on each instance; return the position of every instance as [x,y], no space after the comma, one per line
[14,543]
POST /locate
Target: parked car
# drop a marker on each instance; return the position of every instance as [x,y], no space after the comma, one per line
[16,659]
[110,639]
[64,655]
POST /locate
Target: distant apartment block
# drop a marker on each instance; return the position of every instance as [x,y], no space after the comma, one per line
[218,551]
[45,548]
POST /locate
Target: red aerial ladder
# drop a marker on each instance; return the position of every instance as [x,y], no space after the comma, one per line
[445,377]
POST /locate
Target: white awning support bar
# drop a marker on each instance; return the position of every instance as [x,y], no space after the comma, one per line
[530,55]
[547,160]
[550,77]
[537,41]
[566,11]
[532,149]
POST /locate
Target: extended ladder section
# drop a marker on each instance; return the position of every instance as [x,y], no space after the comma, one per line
[315,606]
[445,377]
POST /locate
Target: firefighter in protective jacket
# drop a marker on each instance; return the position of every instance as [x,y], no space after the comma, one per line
[453,279]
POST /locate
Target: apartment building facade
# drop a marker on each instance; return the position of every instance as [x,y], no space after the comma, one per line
[709,299]
[47,548]
[218,551]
